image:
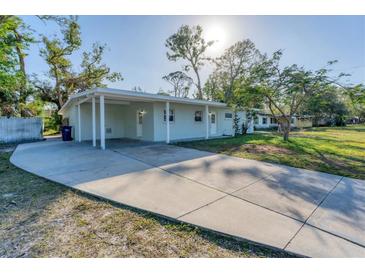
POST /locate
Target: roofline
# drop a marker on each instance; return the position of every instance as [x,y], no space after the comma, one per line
[294,115]
[128,94]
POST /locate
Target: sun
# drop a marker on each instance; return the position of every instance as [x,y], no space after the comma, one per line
[218,34]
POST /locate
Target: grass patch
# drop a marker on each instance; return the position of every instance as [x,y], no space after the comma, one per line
[50,132]
[40,218]
[328,149]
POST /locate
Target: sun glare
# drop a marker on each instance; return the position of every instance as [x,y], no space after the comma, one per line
[217,34]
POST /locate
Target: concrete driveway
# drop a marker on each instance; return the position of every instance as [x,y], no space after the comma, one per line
[309,213]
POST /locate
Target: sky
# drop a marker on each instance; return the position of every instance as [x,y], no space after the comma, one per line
[136,44]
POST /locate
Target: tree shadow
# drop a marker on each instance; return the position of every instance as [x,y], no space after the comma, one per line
[34,195]
[305,189]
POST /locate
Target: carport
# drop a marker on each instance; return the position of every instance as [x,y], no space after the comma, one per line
[93,112]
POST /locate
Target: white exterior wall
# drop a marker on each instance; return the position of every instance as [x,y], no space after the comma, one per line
[269,124]
[122,120]
[147,121]
[184,126]
[224,125]
[260,122]
[114,121]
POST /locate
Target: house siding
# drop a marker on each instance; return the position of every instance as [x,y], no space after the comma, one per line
[114,121]
[121,121]
[184,126]
[261,125]
[147,121]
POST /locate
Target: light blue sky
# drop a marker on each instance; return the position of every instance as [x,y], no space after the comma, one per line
[136,43]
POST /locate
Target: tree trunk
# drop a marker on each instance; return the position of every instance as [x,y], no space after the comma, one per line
[285,127]
[198,84]
[286,135]
[23,84]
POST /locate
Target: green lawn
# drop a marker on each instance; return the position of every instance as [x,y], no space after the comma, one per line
[39,218]
[336,150]
[50,132]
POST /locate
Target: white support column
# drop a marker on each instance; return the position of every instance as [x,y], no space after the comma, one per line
[79,122]
[93,121]
[102,122]
[167,122]
[206,122]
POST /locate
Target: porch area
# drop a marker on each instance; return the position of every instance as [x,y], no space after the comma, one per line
[97,117]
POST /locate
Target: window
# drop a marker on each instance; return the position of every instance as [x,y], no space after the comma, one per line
[292,120]
[264,120]
[140,117]
[273,121]
[256,120]
[228,115]
[198,116]
[212,118]
[171,116]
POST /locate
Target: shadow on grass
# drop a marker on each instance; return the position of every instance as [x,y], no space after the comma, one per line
[315,152]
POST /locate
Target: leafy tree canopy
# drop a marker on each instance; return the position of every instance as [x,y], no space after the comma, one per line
[180,82]
[235,64]
[327,104]
[15,39]
[188,44]
[65,80]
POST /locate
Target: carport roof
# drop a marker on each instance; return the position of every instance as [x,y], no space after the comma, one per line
[120,94]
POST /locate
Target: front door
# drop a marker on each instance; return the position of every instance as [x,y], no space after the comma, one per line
[139,122]
[213,123]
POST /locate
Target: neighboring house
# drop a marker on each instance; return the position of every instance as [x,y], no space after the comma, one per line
[303,121]
[105,113]
[266,120]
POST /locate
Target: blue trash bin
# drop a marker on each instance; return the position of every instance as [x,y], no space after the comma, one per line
[66,133]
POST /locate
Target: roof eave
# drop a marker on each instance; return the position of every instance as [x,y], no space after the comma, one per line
[127,94]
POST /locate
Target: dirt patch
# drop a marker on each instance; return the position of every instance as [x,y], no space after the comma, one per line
[266,149]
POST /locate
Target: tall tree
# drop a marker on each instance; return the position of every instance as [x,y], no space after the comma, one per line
[15,39]
[356,101]
[8,69]
[231,75]
[65,80]
[188,44]
[235,63]
[180,82]
[327,104]
[284,90]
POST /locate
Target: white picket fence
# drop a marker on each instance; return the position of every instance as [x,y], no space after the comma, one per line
[16,129]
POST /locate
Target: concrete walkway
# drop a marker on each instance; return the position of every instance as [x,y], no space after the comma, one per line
[309,213]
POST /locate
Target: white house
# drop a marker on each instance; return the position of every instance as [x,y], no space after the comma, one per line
[105,113]
[266,120]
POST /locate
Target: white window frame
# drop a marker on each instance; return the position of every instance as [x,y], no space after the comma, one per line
[201,116]
[226,117]
[173,115]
